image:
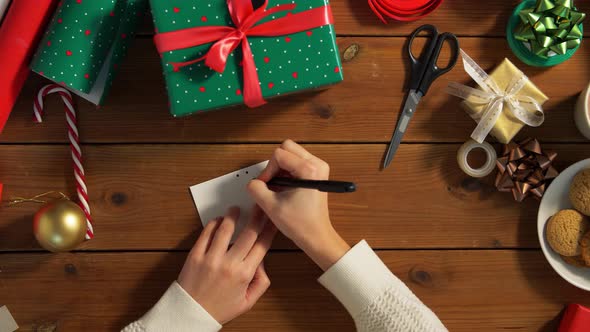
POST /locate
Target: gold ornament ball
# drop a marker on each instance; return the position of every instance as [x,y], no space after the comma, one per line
[60,226]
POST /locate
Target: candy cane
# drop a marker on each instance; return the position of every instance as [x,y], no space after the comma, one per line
[74,143]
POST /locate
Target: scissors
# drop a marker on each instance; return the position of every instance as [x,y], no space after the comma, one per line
[423,72]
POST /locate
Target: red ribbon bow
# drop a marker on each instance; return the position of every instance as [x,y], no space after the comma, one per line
[227,38]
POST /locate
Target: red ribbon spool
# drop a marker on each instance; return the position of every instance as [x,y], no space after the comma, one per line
[403,10]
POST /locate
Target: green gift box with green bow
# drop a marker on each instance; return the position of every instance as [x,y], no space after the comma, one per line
[85,43]
[218,53]
[545,32]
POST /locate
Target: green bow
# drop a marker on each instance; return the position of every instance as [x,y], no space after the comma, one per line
[553,25]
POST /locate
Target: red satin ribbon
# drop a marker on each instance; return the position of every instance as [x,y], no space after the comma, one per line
[401,11]
[226,39]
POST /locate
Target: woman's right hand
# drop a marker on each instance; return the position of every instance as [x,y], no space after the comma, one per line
[301,214]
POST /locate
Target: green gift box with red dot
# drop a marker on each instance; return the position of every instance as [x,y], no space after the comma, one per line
[85,43]
[285,63]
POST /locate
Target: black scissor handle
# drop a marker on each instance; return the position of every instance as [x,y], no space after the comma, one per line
[432,71]
[419,65]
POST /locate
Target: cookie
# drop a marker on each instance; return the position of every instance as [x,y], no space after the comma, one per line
[565,231]
[585,245]
[580,192]
[576,261]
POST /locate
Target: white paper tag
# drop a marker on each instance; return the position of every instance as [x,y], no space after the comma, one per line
[7,323]
[214,197]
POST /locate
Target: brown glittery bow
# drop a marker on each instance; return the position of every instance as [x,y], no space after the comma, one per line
[525,169]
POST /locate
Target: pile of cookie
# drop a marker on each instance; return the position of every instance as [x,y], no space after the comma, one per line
[568,231]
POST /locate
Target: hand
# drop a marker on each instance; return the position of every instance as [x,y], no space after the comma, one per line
[301,214]
[228,282]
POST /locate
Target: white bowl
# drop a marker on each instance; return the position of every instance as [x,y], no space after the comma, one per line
[557,198]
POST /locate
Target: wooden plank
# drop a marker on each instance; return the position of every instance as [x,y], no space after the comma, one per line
[136,111]
[139,194]
[516,290]
[465,18]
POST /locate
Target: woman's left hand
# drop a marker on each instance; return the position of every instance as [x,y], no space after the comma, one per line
[225,281]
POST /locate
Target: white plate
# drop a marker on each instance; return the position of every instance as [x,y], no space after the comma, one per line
[557,198]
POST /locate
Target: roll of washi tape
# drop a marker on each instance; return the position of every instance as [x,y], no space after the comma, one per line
[488,166]
[523,52]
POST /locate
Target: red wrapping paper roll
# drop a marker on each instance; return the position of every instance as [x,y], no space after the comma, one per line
[575,319]
[19,33]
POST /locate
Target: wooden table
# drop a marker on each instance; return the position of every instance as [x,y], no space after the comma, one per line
[469,252]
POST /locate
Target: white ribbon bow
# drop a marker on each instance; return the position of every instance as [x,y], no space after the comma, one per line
[524,108]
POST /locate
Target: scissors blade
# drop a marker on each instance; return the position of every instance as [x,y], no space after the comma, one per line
[402,125]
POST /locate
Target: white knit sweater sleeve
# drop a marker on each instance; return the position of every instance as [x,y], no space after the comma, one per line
[376,299]
[175,311]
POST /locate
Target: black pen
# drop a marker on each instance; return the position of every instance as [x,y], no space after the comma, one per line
[325,186]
